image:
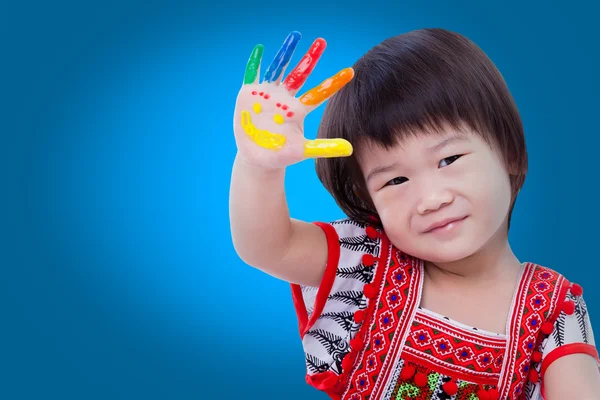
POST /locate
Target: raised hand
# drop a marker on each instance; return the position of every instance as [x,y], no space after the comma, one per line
[269,118]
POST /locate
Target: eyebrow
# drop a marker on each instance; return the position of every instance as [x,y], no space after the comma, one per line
[446,142]
[433,149]
[380,169]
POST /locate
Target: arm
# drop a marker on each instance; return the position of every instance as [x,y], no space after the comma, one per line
[574,376]
[269,133]
[264,235]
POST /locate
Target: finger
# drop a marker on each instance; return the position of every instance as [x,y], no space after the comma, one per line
[327,148]
[262,137]
[327,88]
[283,56]
[253,65]
[298,76]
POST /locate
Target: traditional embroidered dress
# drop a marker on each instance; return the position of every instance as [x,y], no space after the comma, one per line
[365,336]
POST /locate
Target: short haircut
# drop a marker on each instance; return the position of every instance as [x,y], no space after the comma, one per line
[414,83]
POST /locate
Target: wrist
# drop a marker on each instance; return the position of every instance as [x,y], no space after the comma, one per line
[256,169]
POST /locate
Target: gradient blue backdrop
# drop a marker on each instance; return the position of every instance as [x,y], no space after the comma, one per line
[119,279]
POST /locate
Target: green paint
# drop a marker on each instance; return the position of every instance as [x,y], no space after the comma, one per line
[253,64]
[473,397]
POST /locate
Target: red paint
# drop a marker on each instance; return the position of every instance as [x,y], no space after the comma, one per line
[290,114]
[261,93]
[278,104]
[267,96]
[284,107]
[254,92]
[298,76]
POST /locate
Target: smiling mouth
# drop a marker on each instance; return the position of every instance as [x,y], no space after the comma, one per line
[446,226]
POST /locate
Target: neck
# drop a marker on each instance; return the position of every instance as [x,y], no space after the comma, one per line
[494,261]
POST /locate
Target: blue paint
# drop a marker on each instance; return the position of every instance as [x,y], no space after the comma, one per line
[283,56]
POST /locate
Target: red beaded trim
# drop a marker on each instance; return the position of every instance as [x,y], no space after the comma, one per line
[371,290]
[559,304]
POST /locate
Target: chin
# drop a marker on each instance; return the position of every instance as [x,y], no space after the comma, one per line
[437,253]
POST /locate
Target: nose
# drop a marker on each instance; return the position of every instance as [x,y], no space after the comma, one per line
[433,197]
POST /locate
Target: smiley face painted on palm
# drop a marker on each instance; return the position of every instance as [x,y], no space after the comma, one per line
[268,108]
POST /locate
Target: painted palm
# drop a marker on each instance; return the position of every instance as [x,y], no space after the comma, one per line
[269,118]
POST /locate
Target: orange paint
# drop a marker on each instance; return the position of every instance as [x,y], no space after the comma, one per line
[327,88]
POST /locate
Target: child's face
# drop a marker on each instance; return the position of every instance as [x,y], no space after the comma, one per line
[418,186]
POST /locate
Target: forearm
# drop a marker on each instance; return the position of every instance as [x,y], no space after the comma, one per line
[261,227]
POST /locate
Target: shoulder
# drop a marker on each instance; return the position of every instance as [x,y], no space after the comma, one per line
[333,314]
[353,252]
[568,328]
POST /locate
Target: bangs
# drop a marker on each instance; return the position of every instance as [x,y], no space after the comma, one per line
[415,84]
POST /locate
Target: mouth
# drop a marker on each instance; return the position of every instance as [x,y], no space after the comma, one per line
[446,224]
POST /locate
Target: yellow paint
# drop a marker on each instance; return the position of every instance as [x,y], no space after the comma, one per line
[327,88]
[262,137]
[278,118]
[326,148]
[257,108]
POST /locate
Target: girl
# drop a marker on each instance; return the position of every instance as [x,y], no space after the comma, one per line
[417,294]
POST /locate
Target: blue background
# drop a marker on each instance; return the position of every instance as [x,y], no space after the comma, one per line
[119,279]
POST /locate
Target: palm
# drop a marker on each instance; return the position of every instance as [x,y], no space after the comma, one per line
[269,119]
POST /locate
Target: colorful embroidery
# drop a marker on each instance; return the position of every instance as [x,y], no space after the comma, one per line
[536,300]
[368,339]
[437,344]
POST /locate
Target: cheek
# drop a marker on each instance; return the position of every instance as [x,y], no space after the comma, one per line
[491,192]
[393,212]
[388,203]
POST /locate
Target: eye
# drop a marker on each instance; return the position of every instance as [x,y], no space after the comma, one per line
[449,160]
[396,181]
